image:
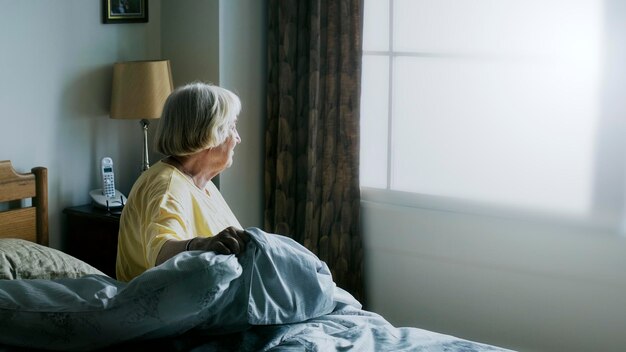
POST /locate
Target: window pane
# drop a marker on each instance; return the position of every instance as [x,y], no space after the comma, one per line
[376,25]
[512,27]
[519,133]
[505,111]
[374,121]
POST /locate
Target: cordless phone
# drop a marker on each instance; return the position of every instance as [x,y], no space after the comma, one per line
[108,178]
[108,197]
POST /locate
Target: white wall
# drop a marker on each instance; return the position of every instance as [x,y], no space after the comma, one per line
[56,59]
[190,39]
[519,284]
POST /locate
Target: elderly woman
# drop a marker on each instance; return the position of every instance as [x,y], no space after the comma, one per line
[174,207]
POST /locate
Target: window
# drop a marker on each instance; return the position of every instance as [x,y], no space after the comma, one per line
[486,100]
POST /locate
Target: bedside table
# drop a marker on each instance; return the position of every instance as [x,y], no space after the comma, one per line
[92,236]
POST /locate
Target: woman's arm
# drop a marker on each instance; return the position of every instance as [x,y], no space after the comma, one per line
[230,241]
[169,249]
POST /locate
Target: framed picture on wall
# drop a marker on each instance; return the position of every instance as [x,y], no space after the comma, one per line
[124,11]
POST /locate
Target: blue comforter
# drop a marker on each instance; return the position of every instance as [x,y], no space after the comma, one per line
[275,296]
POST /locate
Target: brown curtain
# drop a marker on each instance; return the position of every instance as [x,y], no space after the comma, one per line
[312,134]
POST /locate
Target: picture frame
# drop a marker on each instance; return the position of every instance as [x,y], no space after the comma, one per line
[124,11]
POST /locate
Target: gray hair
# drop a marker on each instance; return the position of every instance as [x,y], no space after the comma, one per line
[196,116]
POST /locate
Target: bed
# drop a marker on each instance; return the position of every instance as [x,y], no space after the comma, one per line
[276,296]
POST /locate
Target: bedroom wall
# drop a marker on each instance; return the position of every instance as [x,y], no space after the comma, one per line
[190,39]
[515,283]
[55,79]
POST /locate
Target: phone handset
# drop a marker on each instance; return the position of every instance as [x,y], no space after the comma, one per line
[108,177]
[107,197]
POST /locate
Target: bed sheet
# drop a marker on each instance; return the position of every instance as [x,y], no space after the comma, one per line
[345,329]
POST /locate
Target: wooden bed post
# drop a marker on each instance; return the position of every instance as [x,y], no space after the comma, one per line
[40,202]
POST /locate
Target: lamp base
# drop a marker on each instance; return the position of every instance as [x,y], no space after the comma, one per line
[144,126]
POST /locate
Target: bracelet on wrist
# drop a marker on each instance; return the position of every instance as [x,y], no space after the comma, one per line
[188,245]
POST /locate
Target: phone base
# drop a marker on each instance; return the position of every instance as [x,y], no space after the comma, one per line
[103,201]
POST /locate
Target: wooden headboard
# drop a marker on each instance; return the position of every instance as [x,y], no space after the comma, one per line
[19,220]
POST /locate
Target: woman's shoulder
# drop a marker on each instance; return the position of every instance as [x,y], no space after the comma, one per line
[157,181]
[158,174]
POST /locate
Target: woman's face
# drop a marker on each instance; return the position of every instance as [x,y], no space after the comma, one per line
[225,151]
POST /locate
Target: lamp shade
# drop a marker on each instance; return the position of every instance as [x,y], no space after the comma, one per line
[140,89]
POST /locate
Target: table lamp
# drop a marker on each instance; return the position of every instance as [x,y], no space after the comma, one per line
[139,92]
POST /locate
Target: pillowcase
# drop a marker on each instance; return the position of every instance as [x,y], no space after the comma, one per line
[21,259]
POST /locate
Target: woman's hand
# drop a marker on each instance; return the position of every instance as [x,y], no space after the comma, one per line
[230,241]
